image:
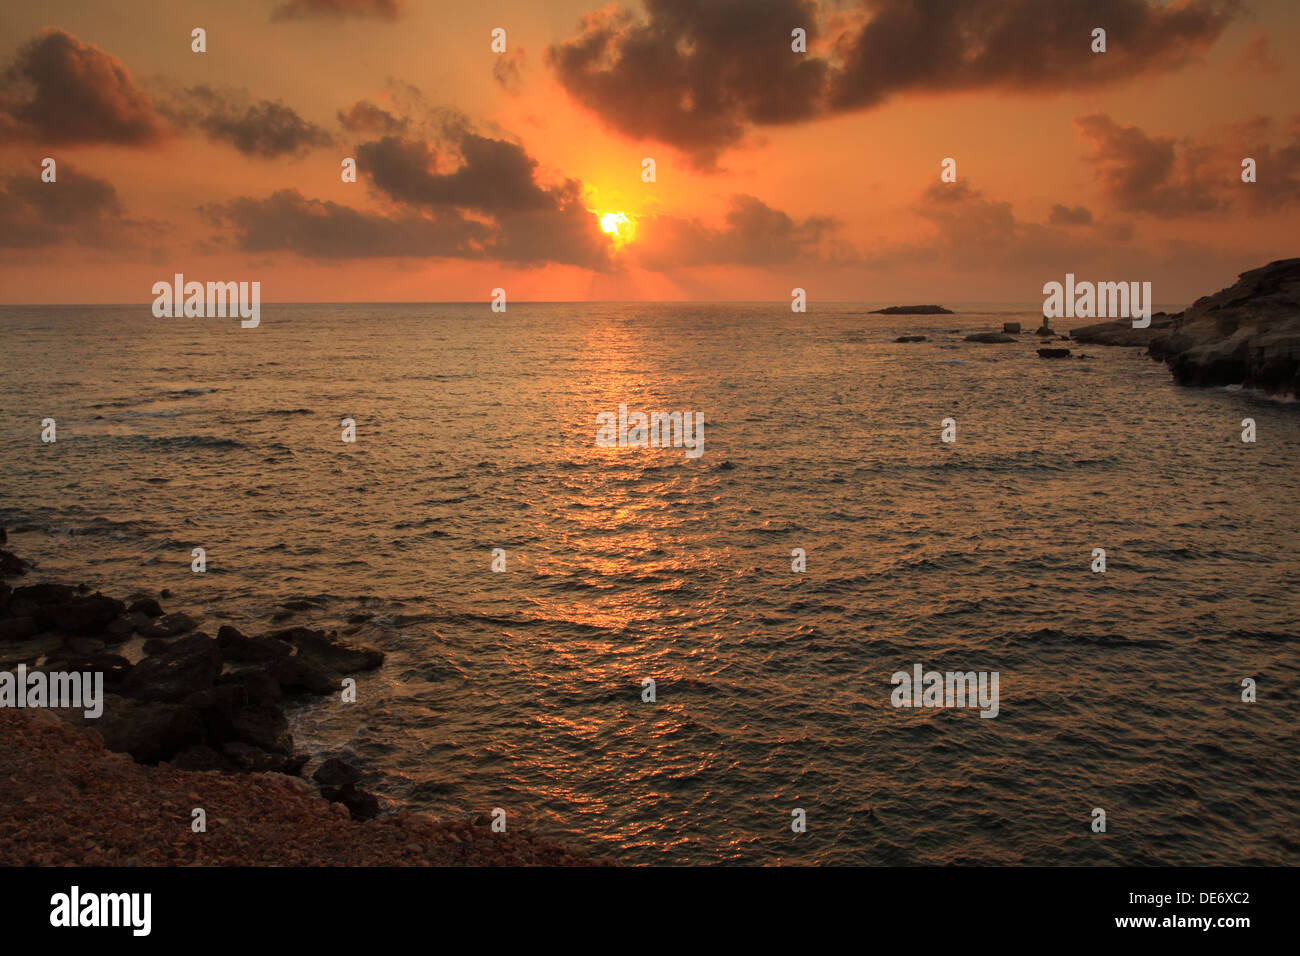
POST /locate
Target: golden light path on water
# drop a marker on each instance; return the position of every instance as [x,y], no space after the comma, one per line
[523,689]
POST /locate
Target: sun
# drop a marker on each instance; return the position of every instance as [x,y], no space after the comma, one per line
[617,225]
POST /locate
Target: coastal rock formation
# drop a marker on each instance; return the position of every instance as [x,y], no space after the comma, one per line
[912,310]
[1121,331]
[1247,334]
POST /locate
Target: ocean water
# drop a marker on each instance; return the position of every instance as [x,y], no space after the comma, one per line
[522,689]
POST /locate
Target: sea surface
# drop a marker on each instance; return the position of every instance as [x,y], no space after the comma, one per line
[522,689]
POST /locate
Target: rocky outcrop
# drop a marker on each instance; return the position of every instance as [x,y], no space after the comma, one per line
[1121,331]
[1247,334]
[912,310]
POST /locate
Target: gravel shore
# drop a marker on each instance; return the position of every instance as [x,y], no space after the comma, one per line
[67,801]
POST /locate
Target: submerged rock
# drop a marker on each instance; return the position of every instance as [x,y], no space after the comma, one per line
[1053,353]
[991,338]
[911,338]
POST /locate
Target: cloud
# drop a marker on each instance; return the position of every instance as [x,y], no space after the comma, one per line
[1140,173]
[1070,215]
[338,9]
[287,220]
[367,119]
[752,234]
[494,178]
[508,70]
[700,77]
[59,90]
[76,208]
[262,129]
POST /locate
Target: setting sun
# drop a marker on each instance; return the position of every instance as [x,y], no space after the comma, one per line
[618,225]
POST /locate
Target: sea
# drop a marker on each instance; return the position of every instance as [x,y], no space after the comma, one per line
[527,582]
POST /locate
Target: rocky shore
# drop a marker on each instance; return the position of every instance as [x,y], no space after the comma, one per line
[194,722]
[1247,334]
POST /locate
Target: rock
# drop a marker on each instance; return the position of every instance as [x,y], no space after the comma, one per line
[1010,327]
[114,667]
[1247,334]
[250,759]
[146,606]
[1044,329]
[11,565]
[83,645]
[991,338]
[910,338]
[1121,332]
[148,731]
[329,653]
[298,675]
[28,600]
[169,625]
[257,686]
[201,757]
[17,628]
[249,650]
[80,615]
[335,773]
[1053,353]
[360,617]
[265,727]
[360,804]
[912,310]
[188,665]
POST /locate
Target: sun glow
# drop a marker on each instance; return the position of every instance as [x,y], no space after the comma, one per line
[618,225]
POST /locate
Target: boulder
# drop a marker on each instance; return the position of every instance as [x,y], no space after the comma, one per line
[335,773]
[329,653]
[169,625]
[361,804]
[149,731]
[17,628]
[188,665]
[146,606]
[265,727]
[298,675]
[1011,327]
[247,650]
[79,615]
[11,565]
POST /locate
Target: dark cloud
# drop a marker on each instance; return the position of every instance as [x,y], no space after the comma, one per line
[287,220]
[508,70]
[367,119]
[59,90]
[494,178]
[338,9]
[74,208]
[752,234]
[1070,215]
[1143,174]
[263,129]
[700,76]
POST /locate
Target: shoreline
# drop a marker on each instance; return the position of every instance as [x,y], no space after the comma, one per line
[197,723]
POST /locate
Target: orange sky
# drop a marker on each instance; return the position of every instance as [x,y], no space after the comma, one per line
[1125,168]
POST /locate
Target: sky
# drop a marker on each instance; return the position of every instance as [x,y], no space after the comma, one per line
[774,168]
